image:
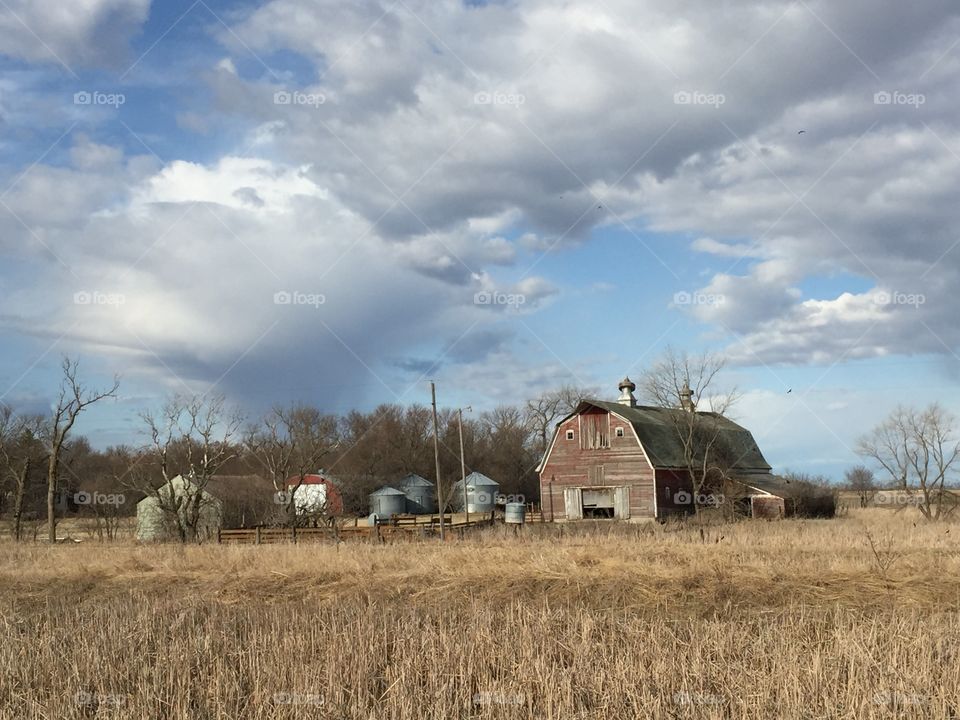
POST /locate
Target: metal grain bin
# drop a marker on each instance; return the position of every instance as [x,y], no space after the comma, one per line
[388,501]
[481,494]
[420,493]
[515,513]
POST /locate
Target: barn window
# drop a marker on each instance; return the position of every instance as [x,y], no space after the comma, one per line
[569,434]
[595,431]
[619,432]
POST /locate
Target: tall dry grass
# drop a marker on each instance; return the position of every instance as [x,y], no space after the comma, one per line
[796,619]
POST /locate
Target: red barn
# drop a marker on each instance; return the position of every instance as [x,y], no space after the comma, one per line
[316,493]
[626,461]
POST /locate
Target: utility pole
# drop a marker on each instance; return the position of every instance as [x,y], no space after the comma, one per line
[463,467]
[436,453]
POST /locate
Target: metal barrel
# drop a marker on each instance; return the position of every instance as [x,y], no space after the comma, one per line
[514,513]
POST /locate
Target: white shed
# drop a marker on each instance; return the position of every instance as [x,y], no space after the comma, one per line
[161,516]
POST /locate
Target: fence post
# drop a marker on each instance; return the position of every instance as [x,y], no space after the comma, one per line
[257,537]
[218,536]
[293,533]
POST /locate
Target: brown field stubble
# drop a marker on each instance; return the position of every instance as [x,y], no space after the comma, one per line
[794,619]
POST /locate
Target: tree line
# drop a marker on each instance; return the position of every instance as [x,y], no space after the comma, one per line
[48,470]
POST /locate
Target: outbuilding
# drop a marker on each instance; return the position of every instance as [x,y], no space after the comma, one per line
[481,494]
[420,493]
[180,509]
[625,461]
[315,494]
[387,502]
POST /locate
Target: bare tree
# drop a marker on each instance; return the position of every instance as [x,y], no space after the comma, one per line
[542,412]
[917,449]
[72,400]
[860,479]
[289,445]
[681,381]
[190,437]
[889,445]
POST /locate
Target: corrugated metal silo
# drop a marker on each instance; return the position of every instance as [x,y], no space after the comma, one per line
[420,493]
[388,501]
[481,494]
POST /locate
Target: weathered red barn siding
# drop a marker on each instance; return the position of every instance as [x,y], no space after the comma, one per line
[623,465]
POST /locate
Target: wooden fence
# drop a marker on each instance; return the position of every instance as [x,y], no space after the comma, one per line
[402,526]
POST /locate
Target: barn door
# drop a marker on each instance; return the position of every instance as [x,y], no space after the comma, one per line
[573,504]
[621,503]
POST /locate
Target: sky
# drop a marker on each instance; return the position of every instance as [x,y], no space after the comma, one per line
[335,203]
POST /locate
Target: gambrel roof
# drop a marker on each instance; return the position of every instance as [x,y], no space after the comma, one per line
[656,428]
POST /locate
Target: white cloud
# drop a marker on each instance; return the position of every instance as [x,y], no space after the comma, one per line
[579,102]
[204,265]
[81,33]
[397,198]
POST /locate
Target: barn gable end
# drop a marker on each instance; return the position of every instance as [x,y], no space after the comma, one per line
[625,461]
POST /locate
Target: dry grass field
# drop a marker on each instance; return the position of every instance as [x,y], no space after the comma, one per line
[791,619]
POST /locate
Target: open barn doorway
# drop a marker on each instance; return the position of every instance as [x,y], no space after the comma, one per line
[604,503]
[598,503]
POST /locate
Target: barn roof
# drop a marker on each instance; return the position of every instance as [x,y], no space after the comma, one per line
[779,486]
[657,429]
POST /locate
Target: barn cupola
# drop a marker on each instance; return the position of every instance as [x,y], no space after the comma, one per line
[686,397]
[626,387]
